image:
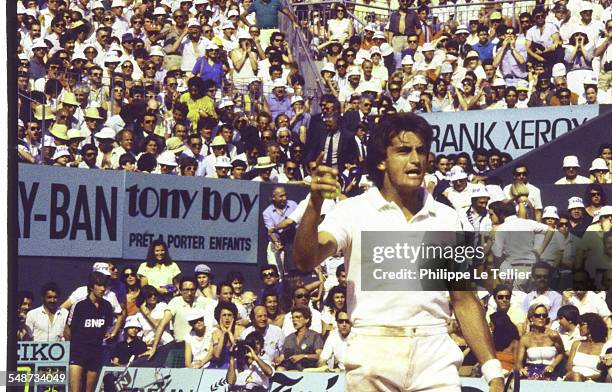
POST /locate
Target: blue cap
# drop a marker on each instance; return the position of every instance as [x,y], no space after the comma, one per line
[127,37]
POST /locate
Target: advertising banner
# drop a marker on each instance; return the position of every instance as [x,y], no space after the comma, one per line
[515,131]
[41,366]
[199,219]
[69,212]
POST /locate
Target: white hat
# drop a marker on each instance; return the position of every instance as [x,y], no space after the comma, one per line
[462,29]
[457,173]
[427,47]
[111,58]
[227,25]
[375,50]
[106,133]
[97,4]
[157,51]
[78,56]
[586,6]
[115,122]
[203,268]
[598,164]
[132,322]
[264,163]
[74,133]
[419,79]
[407,60]
[167,158]
[446,68]
[605,211]
[20,8]
[590,79]
[212,46]
[480,191]
[353,71]
[296,98]
[450,58]
[244,35]
[278,83]
[101,267]
[195,314]
[193,22]
[386,49]
[39,43]
[596,217]
[414,96]
[570,161]
[61,152]
[159,11]
[223,161]
[117,3]
[218,141]
[559,70]
[499,82]
[370,27]
[379,34]
[233,13]
[328,67]
[225,102]
[49,141]
[522,85]
[575,202]
[550,212]
[199,2]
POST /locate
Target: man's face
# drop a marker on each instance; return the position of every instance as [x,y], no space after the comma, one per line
[483,37]
[406,162]
[50,300]
[148,124]
[489,71]
[195,145]
[520,174]
[89,156]
[238,172]
[502,299]
[279,92]
[342,278]
[586,16]
[34,132]
[127,141]
[222,172]
[563,226]
[301,297]
[271,304]
[188,290]
[283,137]
[180,131]
[395,91]
[511,98]
[226,294]
[274,153]
[344,324]
[443,165]
[98,290]
[290,170]
[260,317]
[540,277]
[570,172]
[459,185]
[606,154]
[203,280]
[575,213]
[269,277]
[279,198]
[26,305]
[367,68]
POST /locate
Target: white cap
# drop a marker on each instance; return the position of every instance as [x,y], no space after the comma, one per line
[159,11]
[446,68]
[386,49]
[457,173]
[414,96]
[559,70]
[353,71]
[132,322]
[101,267]
[225,102]
[78,56]
[233,13]
[244,35]
[419,79]
[328,67]
[571,161]
[590,79]
[296,98]
[596,217]
[117,3]
[279,83]
[106,133]
[199,2]
[427,47]
[480,191]
[157,51]
[462,29]
[598,164]
[212,46]
[39,43]
[605,211]
[586,6]
[61,152]
[48,141]
[407,60]
[575,202]
[20,8]
[550,212]
[370,27]
[374,50]
[223,161]
[97,4]
[115,122]
[499,82]
[195,314]
[193,22]
[450,57]
[379,34]
[167,158]
[111,58]
[227,25]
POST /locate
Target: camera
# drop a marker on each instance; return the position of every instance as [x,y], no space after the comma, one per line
[239,350]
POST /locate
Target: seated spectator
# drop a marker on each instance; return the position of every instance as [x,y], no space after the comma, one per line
[273,336]
[225,334]
[570,167]
[584,357]
[198,344]
[151,312]
[131,346]
[334,303]
[567,326]
[505,339]
[540,350]
[239,296]
[469,359]
[247,369]
[301,297]
[334,349]
[303,347]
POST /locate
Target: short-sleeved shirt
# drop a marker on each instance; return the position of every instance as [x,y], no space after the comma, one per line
[311,342]
[334,350]
[159,276]
[515,239]
[371,212]
[200,345]
[266,13]
[543,38]
[274,338]
[81,293]
[88,324]
[180,310]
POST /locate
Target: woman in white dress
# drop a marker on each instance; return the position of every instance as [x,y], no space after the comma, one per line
[340,27]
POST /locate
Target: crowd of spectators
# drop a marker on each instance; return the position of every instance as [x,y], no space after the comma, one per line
[211,89]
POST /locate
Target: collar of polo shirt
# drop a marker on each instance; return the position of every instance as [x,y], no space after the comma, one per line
[379,202]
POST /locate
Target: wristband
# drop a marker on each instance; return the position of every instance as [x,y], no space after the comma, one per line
[492,369]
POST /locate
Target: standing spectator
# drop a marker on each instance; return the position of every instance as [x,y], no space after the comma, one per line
[520,174]
[266,14]
[403,23]
[132,284]
[159,270]
[273,309]
[47,322]
[88,326]
[151,312]
[204,277]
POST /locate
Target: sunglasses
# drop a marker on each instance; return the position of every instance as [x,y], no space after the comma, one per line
[520,174]
[127,275]
[564,224]
[540,315]
[196,144]
[300,296]
[540,276]
[269,275]
[593,194]
[502,297]
[344,321]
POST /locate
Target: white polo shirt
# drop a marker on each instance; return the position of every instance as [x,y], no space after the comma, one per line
[43,330]
[534,195]
[334,350]
[274,338]
[371,212]
[515,238]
